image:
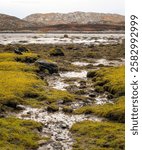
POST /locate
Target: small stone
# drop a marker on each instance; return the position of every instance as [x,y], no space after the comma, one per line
[42,142]
[92,95]
[66,36]
[64,126]
[20,107]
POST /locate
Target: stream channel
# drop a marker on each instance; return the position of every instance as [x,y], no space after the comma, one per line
[57,124]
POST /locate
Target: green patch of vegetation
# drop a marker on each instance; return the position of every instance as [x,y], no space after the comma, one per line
[67,109]
[26,57]
[112,79]
[56,52]
[15,66]
[56,95]
[91,135]
[115,112]
[19,134]
[18,82]
[53,107]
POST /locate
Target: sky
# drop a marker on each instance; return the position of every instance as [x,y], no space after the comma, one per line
[22,8]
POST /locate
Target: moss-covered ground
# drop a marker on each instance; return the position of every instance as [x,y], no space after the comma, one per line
[98,136]
[104,135]
[17,134]
[20,84]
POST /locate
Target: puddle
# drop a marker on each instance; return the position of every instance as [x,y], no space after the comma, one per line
[73,74]
[104,62]
[57,83]
[108,62]
[77,63]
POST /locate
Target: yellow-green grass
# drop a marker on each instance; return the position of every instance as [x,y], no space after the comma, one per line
[15,66]
[91,135]
[19,83]
[115,112]
[13,57]
[111,79]
[17,134]
[55,95]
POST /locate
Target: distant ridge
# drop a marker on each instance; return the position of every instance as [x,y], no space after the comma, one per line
[76,21]
[75,18]
[13,23]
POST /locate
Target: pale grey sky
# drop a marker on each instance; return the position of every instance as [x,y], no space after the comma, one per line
[22,8]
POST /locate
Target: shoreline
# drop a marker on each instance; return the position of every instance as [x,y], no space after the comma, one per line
[64,32]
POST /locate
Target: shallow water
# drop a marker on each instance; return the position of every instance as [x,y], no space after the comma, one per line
[56,125]
[27,38]
[104,62]
[74,74]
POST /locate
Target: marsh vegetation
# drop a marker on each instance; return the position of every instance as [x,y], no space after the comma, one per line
[62,97]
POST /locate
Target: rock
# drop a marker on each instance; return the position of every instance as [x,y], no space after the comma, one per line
[82,84]
[17,52]
[21,50]
[42,142]
[60,102]
[11,103]
[63,125]
[91,74]
[100,65]
[44,65]
[66,36]
[92,95]
[20,107]
[2,115]
[57,146]
[56,52]
[29,112]
[91,46]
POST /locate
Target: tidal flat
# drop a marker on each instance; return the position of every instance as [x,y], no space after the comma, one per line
[62,95]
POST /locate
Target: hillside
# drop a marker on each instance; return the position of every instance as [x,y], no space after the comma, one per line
[75,18]
[12,23]
[77,21]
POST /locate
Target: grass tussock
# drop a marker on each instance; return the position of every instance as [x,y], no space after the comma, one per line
[19,134]
[115,112]
[91,135]
[55,95]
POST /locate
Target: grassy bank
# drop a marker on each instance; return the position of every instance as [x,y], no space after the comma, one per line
[104,135]
[19,134]
[98,136]
[19,83]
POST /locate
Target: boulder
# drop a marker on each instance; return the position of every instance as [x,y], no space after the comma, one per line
[56,52]
[44,65]
[66,36]
[21,50]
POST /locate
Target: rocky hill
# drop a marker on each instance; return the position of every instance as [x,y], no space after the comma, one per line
[12,23]
[75,18]
[77,21]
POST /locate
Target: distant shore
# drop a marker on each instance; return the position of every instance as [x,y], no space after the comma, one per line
[67,32]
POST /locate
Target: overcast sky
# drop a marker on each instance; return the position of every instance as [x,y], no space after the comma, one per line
[22,8]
